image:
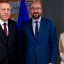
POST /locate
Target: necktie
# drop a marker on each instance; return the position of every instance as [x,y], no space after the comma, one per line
[36,29]
[5,29]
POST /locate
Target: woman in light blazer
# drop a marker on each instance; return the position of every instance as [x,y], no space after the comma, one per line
[61,47]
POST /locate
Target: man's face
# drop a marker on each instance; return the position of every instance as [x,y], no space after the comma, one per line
[5,11]
[36,10]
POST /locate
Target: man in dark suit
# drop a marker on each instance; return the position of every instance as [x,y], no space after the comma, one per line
[39,38]
[8,36]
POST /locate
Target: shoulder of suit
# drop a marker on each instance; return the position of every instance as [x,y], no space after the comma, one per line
[62,34]
[46,20]
[12,21]
[27,22]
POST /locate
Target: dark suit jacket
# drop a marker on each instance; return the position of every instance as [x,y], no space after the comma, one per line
[42,51]
[9,45]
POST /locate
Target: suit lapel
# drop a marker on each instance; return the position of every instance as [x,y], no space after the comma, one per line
[2,35]
[42,28]
[10,29]
[30,28]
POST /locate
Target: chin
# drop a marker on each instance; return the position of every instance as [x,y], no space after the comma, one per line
[6,18]
[36,17]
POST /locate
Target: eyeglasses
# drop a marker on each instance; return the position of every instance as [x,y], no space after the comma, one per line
[38,8]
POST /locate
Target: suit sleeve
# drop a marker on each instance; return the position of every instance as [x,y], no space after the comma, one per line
[22,38]
[54,43]
[17,43]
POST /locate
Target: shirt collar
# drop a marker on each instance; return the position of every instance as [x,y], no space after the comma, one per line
[39,19]
[2,22]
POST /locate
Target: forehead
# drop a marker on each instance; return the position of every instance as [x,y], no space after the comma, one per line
[36,4]
[4,5]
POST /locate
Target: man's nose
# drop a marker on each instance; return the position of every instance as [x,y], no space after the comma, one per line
[35,10]
[6,11]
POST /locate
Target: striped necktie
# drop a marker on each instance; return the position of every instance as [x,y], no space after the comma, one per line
[5,29]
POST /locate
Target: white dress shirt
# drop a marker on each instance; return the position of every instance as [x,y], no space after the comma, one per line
[34,24]
[1,23]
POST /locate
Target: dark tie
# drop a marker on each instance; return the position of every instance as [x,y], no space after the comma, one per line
[5,29]
[36,29]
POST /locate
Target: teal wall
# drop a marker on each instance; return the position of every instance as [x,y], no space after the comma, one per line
[54,9]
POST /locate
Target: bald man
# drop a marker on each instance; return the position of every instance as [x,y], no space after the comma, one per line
[39,38]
